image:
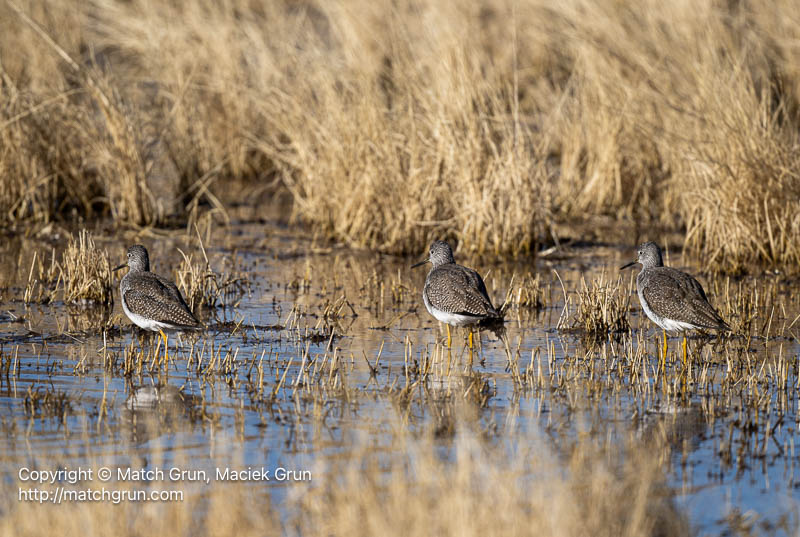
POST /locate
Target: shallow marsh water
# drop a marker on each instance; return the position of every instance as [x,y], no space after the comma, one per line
[261,383]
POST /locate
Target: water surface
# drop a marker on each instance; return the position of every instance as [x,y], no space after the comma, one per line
[259,382]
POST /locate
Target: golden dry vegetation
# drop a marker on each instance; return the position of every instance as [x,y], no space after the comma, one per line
[556,434]
[81,277]
[496,123]
[478,488]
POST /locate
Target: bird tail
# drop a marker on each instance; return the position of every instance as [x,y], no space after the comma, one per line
[495,316]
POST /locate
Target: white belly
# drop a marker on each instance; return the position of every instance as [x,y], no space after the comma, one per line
[453,319]
[667,324]
[144,322]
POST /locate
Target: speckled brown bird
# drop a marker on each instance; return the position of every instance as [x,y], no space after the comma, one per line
[151,301]
[454,294]
[672,299]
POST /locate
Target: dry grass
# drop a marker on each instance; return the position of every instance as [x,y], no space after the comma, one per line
[204,287]
[82,276]
[47,403]
[42,279]
[446,452]
[530,293]
[480,488]
[598,310]
[491,121]
[487,492]
[86,272]
[602,308]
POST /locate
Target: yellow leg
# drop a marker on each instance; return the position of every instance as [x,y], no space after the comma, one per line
[166,344]
[470,339]
[664,352]
[448,335]
[685,357]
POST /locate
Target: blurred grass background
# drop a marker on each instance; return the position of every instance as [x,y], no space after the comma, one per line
[496,123]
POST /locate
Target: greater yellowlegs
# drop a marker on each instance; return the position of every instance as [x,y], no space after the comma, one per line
[151,301]
[672,299]
[453,294]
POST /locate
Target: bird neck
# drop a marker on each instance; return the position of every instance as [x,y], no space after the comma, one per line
[139,267]
[652,262]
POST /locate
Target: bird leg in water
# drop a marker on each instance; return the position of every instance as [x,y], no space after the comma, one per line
[664,354]
[684,350]
[448,335]
[166,344]
[470,339]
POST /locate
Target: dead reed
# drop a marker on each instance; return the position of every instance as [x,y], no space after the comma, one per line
[41,284]
[205,287]
[530,293]
[85,272]
[492,122]
[602,308]
[82,276]
[49,403]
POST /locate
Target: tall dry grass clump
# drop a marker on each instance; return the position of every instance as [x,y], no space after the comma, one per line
[602,309]
[82,276]
[385,123]
[393,124]
[685,115]
[85,272]
[79,138]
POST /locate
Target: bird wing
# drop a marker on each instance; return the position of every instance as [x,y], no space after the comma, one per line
[159,299]
[172,290]
[460,290]
[676,295]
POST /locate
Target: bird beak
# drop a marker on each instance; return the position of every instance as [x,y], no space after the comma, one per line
[119,267]
[420,263]
[632,263]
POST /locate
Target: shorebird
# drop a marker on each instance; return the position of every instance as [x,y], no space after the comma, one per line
[453,294]
[151,301]
[672,299]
